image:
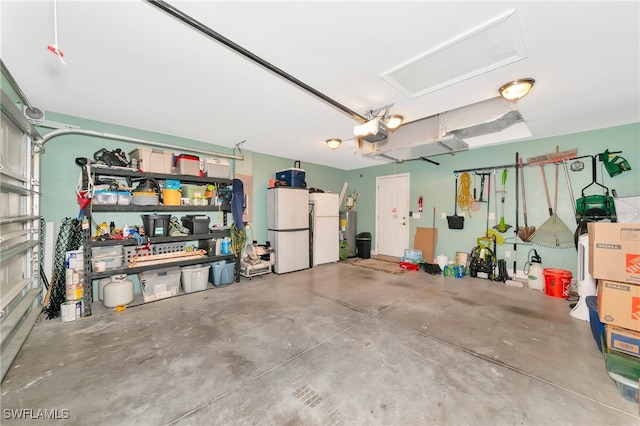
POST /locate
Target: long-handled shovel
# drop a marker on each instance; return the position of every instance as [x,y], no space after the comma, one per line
[524,232]
[502,227]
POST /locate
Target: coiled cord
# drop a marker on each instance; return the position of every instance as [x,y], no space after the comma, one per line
[463,197]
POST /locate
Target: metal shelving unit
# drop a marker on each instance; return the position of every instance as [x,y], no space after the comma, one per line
[90,210]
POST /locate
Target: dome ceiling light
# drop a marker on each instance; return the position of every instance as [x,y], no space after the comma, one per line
[333,143]
[516,89]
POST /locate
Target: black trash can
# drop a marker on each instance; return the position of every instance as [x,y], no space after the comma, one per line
[363,245]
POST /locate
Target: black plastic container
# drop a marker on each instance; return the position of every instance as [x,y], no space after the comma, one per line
[197,224]
[156,225]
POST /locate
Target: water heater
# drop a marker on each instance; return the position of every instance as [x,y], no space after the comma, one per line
[586,283]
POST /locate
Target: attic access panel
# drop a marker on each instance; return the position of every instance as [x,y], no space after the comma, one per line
[490,46]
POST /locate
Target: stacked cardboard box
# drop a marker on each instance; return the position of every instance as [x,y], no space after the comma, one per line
[614,260]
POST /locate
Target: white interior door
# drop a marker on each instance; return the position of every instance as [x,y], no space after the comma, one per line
[392,214]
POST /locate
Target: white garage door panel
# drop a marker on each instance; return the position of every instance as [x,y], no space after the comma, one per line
[20,289]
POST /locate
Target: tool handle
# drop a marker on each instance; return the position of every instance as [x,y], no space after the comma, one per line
[504,177]
[524,199]
[555,197]
[546,189]
[573,200]
[455,199]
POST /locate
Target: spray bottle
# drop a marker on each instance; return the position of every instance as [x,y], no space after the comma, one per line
[534,272]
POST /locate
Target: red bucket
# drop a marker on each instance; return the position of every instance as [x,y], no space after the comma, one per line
[557,282]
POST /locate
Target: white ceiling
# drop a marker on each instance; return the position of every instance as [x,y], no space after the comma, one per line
[129,63]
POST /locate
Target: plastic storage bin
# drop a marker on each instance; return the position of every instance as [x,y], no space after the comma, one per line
[106,251]
[160,283]
[105,198]
[597,328]
[187,165]
[195,278]
[104,258]
[150,160]
[222,272]
[620,363]
[627,387]
[124,198]
[193,191]
[197,224]
[101,264]
[156,225]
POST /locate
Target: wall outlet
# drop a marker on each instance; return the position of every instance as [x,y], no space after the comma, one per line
[444,215]
[507,253]
[416,215]
[492,216]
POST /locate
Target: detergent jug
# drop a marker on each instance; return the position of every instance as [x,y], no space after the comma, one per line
[226,246]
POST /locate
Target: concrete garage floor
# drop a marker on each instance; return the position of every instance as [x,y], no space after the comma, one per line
[332,345]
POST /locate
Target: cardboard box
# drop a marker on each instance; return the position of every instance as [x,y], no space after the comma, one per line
[614,251]
[623,340]
[426,239]
[619,304]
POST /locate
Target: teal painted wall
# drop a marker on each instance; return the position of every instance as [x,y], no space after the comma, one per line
[328,179]
[437,183]
[60,174]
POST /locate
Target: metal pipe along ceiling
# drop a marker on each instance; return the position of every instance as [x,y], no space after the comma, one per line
[178,14]
[63,132]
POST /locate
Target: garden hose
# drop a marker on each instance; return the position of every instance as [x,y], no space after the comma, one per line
[238,239]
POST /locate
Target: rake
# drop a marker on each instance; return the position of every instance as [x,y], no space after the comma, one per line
[553,233]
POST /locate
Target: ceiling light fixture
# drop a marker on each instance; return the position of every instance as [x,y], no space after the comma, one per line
[394,121]
[516,89]
[334,143]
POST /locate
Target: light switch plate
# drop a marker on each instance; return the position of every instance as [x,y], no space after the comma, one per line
[416,215]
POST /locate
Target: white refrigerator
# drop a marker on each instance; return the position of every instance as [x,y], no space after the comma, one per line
[288,228]
[325,227]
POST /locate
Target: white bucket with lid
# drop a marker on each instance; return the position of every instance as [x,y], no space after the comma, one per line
[442,261]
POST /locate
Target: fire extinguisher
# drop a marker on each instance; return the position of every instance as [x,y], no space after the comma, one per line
[420,203]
